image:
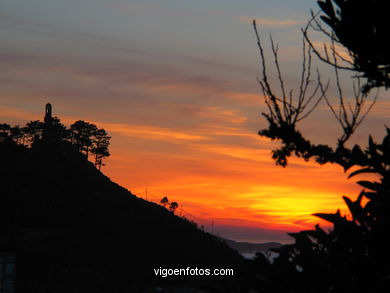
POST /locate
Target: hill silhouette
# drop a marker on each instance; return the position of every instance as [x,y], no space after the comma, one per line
[251,247]
[74,230]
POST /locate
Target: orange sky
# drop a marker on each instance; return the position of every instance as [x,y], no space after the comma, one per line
[230,183]
[218,173]
[175,86]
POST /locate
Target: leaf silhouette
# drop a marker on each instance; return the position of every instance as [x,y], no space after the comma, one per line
[370,185]
[362,171]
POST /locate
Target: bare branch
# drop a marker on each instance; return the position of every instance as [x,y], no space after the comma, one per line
[264,81]
[286,110]
[281,82]
[325,57]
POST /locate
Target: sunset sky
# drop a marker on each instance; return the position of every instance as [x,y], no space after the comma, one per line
[174,84]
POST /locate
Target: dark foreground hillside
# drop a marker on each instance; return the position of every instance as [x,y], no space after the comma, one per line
[74,230]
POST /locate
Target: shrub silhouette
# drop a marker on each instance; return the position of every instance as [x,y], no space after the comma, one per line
[164,201]
[355,255]
[173,206]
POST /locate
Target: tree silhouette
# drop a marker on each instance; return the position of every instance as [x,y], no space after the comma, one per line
[5,132]
[17,135]
[164,201]
[354,256]
[82,137]
[81,133]
[34,131]
[285,112]
[54,131]
[89,139]
[173,206]
[361,26]
[100,144]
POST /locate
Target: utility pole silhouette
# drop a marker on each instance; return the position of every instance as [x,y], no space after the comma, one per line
[212,227]
[146,193]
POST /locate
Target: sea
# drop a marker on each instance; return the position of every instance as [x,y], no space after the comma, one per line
[251,254]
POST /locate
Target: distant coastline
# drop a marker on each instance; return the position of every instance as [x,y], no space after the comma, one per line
[251,248]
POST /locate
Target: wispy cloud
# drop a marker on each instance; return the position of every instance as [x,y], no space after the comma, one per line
[17,114]
[149,132]
[381,109]
[259,155]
